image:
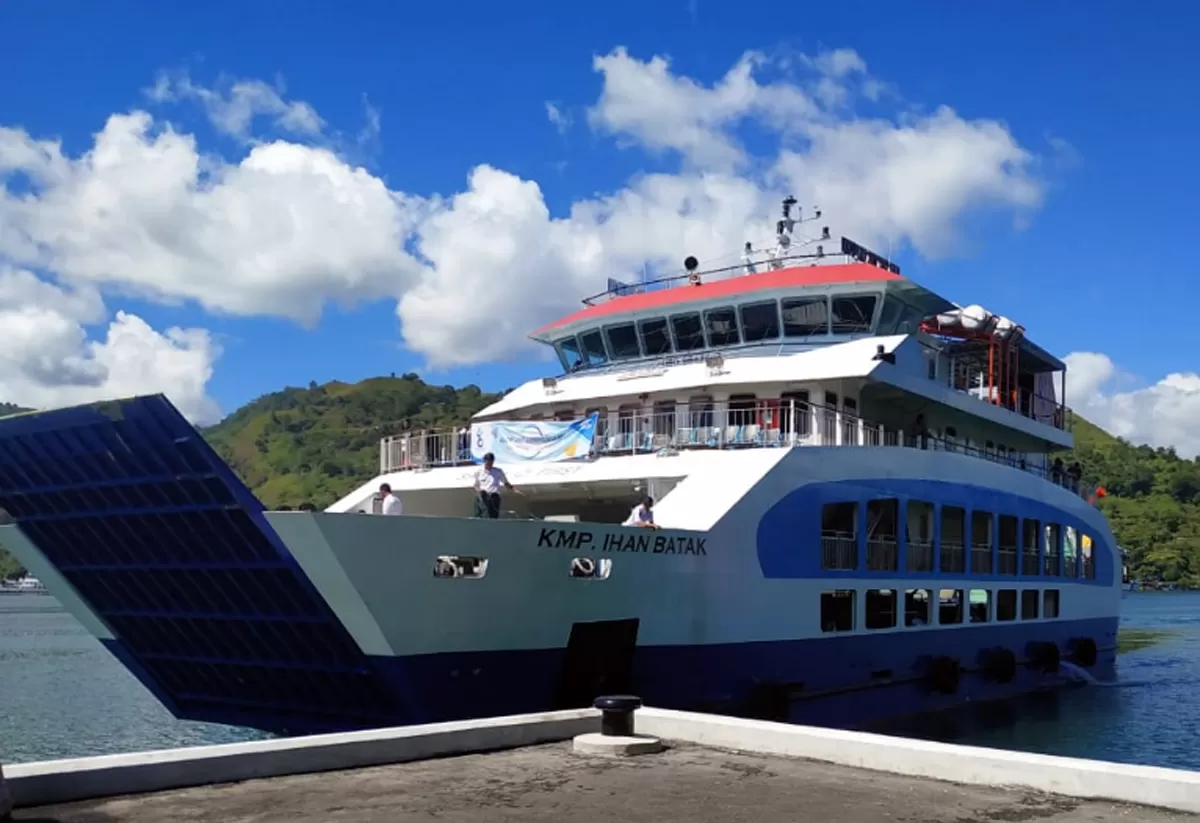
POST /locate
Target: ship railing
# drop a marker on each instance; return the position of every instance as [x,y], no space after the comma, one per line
[1007,560]
[759,424]
[839,550]
[1051,563]
[920,556]
[981,558]
[1029,562]
[881,554]
[953,559]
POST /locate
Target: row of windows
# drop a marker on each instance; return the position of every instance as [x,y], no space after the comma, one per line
[761,321]
[963,544]
[951,607]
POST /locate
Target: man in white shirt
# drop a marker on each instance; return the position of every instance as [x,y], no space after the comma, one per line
[391,503]
[488,481]
[642,515]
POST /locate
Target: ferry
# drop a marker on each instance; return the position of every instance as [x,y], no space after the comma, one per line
[858,513]
[23,585]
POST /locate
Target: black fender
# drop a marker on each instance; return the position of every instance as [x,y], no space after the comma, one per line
[1084,651]
[998,664]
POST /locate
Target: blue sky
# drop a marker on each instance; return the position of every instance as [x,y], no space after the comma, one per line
[1100,100]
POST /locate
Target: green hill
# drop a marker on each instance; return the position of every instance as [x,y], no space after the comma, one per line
[1153,502]
[316,444]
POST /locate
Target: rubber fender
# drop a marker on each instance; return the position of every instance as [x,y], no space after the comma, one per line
[998,664]
[1083,650]
[1044,655]
[944,674]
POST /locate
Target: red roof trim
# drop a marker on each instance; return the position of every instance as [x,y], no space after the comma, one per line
[729,287]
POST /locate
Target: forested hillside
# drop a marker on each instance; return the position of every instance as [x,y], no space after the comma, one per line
[316,444]
[1152,502]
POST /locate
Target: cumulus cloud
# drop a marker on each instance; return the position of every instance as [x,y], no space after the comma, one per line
[48,361]
[1161,414]
[291,225]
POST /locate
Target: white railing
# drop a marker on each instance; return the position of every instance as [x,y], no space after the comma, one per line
[789,423]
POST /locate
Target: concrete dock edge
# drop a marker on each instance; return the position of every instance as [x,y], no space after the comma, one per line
[1176,789]
[61,781]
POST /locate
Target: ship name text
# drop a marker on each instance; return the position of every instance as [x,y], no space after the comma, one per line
[643,541]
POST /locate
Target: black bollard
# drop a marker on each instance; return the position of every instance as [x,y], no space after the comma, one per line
[616,714]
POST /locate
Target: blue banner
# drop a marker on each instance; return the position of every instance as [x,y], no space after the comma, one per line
[533,441]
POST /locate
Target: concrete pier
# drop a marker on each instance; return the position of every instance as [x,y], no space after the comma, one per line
[713,769]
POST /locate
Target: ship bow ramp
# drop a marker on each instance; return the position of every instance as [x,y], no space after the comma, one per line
[152,542]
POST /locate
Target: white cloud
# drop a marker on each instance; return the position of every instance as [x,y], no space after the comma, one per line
[289,226]
[233,112]
[47,361]
[561,120]
[281,232]
[1162,414]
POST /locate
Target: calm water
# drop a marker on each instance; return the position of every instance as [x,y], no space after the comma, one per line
[62,695]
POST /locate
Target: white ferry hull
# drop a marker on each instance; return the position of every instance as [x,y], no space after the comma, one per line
[294,622]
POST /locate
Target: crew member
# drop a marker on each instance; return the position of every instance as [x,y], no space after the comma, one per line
[642,515]
[391,503]
[488,481]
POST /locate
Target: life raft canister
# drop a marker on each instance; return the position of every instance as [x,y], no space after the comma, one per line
[1044,655]
[998,664]
[1083,651]
[944,675]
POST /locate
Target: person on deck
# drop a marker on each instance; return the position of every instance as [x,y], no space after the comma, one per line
[391,503]
[488,481]
[642,515]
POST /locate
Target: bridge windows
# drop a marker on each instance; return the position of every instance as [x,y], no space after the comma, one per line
[760,321]
[592,345]
[570,354]
[853,314]
[805,316]
[623,342]
[721,327]
[689,332]
[656,339]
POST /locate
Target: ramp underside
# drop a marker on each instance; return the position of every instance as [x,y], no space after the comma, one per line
[171,551]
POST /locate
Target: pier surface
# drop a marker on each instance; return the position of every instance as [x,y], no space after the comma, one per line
[551,783]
